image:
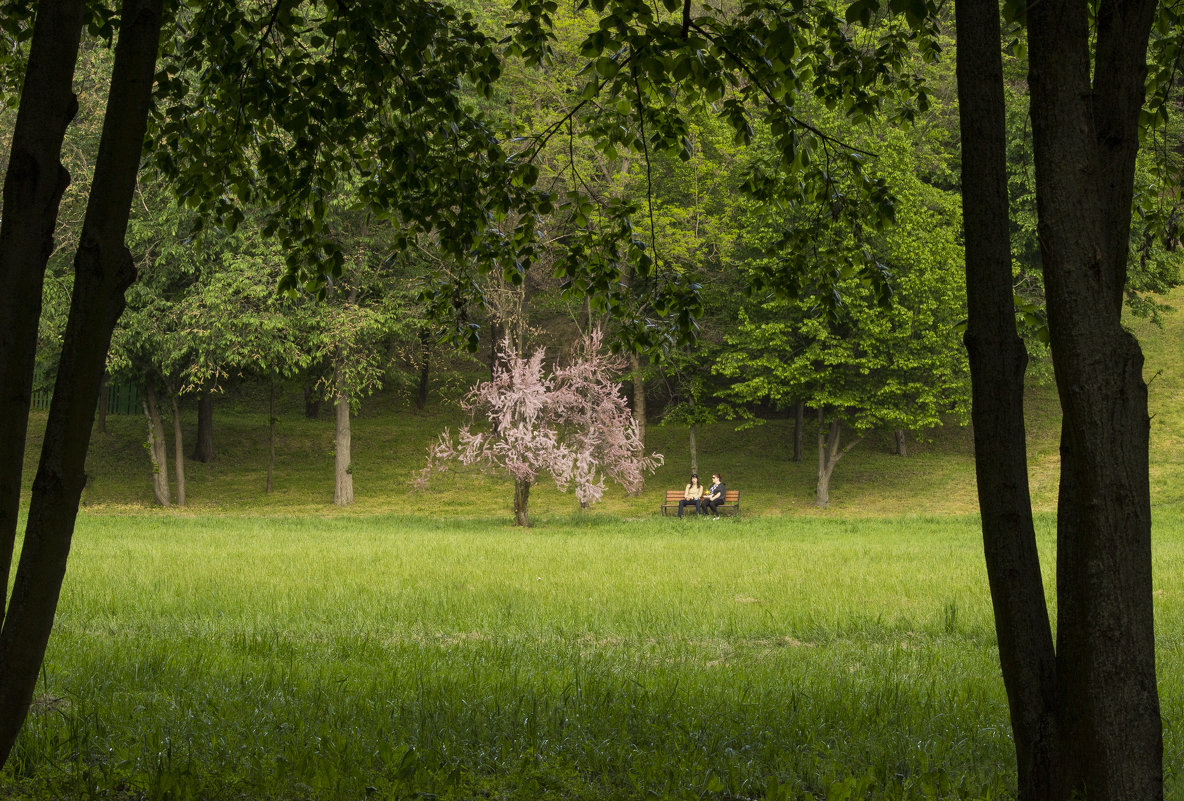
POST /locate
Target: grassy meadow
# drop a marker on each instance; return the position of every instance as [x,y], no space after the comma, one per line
[418,646]
[226,657]
[396,657]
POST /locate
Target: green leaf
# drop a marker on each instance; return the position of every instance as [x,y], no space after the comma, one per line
[862,12]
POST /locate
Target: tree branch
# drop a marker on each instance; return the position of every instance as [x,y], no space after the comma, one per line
[551,130]
[756,81]
[649,177]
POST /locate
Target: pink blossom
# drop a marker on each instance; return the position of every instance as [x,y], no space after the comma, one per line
[572,424]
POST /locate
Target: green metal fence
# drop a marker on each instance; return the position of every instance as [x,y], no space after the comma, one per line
[121,399]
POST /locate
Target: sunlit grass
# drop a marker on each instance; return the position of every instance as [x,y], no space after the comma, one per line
[302,657]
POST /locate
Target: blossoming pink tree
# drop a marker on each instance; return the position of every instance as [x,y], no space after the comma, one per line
[572,423]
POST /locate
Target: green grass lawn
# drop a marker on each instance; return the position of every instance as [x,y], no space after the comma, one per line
[226,657]
[416,645]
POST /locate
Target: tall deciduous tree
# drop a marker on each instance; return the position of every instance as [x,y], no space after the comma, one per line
[863,363]
[203,314]
[1085,713]
[103,271]
[351,330]
[572,424]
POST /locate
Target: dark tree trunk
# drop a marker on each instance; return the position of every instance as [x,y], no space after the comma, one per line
[901,445]
[495,335]
[157,452]
[521,499]
[694,450]
[270,433]
[312,401]
[997,364]
[103,269]
[33,188]
[425,366]
[101,424]
[1086,720]
[178,452]
[203,447]
[1085,139]
[799,431]
[343,486]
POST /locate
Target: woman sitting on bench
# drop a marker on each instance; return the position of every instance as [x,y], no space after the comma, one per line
[691,494]
[716,494]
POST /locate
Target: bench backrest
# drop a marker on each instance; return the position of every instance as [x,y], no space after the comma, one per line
[674,496]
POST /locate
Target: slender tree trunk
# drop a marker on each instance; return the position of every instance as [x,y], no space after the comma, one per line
[521,499]
[826,462]
[495,336]
[639,410]
[157,452]
[997,364]
[270,433]
[694,450]
[103,269]
[799,431]
[829,455]
[33,188]
[901,445]
[101,425]
[178,452]
[312,401]
[425,365]
[203,447]
[343,488]
[1085,140]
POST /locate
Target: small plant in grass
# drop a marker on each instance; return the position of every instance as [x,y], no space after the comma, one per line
[571,423]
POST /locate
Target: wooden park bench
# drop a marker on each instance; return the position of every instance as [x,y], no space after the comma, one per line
[731,504]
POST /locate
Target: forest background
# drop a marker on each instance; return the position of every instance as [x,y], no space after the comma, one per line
[204,318]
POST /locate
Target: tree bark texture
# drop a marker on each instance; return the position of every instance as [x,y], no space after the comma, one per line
[270,434]
[343,487]
[101,423]
[157,452]
[799,431]
[425,369]
[312,401]
[103,269]
[901,444]
[203,447]
[639,410]
[33,187]
[694,450]
[997,364]
[829,455]
[495,341]
[1085,139]
[828,440]
[178,451]
[521,499]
